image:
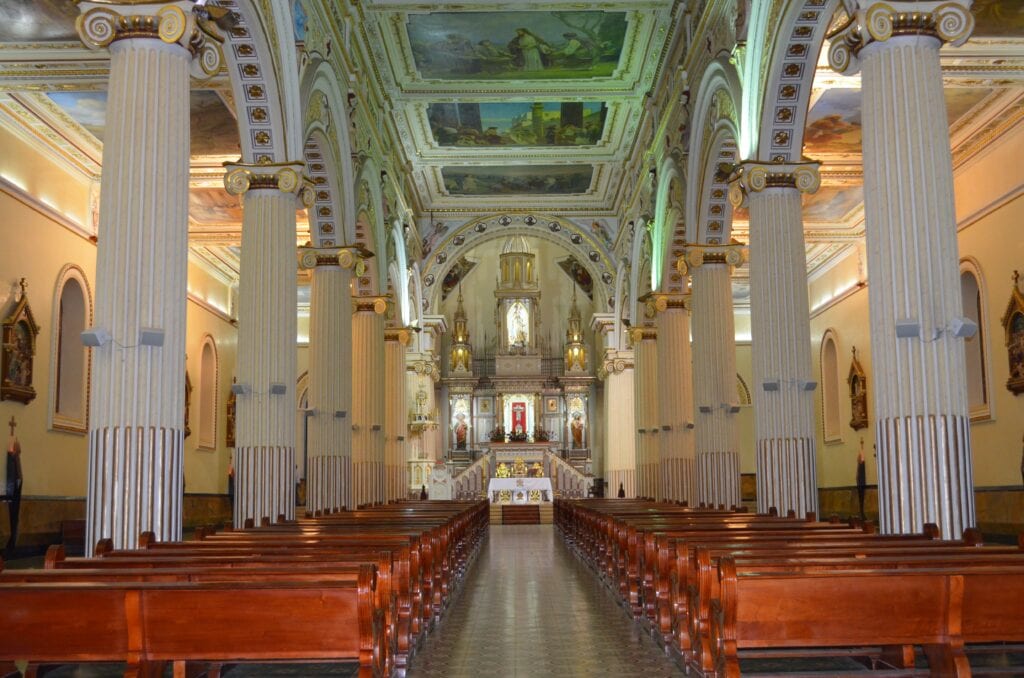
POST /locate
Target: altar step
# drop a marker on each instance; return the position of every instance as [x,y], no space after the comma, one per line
[522,514]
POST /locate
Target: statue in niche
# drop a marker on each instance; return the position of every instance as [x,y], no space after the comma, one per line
[461,429]
[1013,325]
[576,428]
[518,321]
[19,349]
[858,382]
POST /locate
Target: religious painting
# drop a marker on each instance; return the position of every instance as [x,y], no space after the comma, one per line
[518,410]
[214,206]
[998,18]
[213,128]
[88,109]
[831,204]
[517,45]
[300,20]
[484,406]
[518,179]
[1013,326]
[551,405]
[579,275]
[833,124]
[455,275]
[230,409]
[552,123]
[38,21]
[857,380]
[19,349]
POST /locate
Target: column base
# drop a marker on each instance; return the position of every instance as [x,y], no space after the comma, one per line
[624,477]
[136,483]
[678,482]
[924,474]
[718,478]
[330,483]
[264,484]
[786,476]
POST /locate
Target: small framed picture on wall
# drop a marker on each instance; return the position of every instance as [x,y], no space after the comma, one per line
[552,405]
[484,405]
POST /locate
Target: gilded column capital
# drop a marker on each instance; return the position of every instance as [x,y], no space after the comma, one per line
[615,362]
[403,335]
[674,302]
[645,333]
[694,256]
[875,21]
[378,305]
[334,257]
[285,177]
[756,177]
[174,22]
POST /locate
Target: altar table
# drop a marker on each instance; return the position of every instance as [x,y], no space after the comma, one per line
[519,490]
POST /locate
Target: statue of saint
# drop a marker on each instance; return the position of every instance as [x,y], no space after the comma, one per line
[461,429]
[576,427]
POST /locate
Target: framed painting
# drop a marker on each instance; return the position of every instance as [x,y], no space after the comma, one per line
[19,350]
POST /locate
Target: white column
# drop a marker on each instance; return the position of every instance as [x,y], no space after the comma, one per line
[714,375]
[396,418]
[645,384]
[675,400]
[923,429]
[136,427]
[620,423]
[783,389]
[267,353]
[368,399]
[329,486]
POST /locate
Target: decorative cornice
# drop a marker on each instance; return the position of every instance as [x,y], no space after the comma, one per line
[876,21]
[175,23]
[733,254]
[757,177]
[284,177]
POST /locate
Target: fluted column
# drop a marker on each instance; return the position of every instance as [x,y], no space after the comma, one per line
[714,373]
[645,385]
[781,339]
[923,431]
[329,481]
[267,353]
[620,422]
[368,400]
[396,421]
[677,476]
[136,427]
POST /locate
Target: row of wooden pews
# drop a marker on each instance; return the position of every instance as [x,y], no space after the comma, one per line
[355,586]
[715,586]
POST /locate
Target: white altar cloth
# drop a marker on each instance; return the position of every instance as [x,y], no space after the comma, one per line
[520,488]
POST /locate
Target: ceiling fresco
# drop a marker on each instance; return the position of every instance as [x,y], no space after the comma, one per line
[998,18]
[516,45]
[38,21]
[495,124]
[518,180]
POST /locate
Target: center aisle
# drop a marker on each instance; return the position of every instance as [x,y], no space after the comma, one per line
[529,608]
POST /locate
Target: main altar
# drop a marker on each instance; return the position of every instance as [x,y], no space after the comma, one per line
[520,483]
[529,403]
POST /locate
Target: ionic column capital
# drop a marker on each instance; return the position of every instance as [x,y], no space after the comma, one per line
[695,256]
[378,305]
[753,177]
[876,21]
[312,258]
[174,22]
[615,362]
[671,302]
[403,335]
[285,177]
[638,334]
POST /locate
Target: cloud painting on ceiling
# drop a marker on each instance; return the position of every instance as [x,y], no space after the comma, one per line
[998,18]
[38,21]
[567,123]
[832,203]
[516,45]
[214,131]
[834,122]
[214,206]
[518,179]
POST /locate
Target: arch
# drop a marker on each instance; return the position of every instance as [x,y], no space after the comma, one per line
[743,391]
[831,416]
[620,308]
[713,141]
[328,156]
[416,291]
[751,76]
[668,222]
[400,272]
[638,258]
[790,62]
[69,360]
[976,353]
[370,207]
[209,368]
[588,251]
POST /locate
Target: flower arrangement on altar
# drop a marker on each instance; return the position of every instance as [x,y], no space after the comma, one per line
[518,436]
[497,435]
[540,435]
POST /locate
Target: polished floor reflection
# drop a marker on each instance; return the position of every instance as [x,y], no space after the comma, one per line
[529,608]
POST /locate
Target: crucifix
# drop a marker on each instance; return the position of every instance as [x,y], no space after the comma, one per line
[13,424]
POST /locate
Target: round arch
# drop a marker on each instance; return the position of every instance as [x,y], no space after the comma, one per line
[370,209]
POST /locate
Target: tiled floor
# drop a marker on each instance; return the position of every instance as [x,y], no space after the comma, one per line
[529,608]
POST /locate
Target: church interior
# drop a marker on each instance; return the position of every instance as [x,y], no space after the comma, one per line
[324,269]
